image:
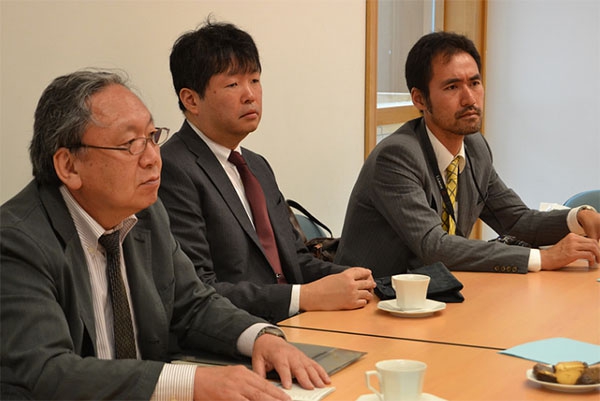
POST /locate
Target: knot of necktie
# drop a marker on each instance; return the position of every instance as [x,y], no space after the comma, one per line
[236,158]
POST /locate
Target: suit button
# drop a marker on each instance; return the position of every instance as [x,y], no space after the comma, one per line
[496,268]
[515,269]
[503,269]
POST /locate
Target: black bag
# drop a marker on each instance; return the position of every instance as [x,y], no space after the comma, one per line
[443,286]
[323,248]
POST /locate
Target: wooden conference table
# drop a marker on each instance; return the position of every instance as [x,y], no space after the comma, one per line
[499,312]
[454,373]
[460,344]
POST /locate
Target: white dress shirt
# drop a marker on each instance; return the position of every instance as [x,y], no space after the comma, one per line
[176,382]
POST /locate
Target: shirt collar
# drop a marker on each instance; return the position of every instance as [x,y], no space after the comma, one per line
[443,155]
[220,151]
[90,230]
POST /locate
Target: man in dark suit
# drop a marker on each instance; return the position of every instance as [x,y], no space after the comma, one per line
[216,73]
[396,211]
[70,328]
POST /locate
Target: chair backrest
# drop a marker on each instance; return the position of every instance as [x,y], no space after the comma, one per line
[591,198]
[310,229]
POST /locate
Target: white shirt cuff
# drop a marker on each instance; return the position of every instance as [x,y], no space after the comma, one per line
[176,382]
[572,222]
[245,343]
[295,300]
[535,261]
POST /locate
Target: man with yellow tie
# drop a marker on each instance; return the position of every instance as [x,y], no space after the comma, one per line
[422,188]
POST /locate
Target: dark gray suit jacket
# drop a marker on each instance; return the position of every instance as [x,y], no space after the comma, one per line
[48,330]
[393,220]
[209,220]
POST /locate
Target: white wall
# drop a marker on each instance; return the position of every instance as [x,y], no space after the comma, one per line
[542,89]
[313,79]
[543,96]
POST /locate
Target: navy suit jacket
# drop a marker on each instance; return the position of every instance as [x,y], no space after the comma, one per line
[48,329]
[393,220]
[210,222]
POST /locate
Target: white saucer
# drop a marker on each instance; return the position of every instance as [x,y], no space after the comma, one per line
[565,388]
[424,397]
[431,306]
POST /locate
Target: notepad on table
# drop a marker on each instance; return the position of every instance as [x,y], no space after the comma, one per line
[554,350]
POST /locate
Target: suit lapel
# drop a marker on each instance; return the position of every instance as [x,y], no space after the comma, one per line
[468,195]
[151,323]
[207,161]
[63,224]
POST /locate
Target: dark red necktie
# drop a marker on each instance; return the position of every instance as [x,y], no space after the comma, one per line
[258,206]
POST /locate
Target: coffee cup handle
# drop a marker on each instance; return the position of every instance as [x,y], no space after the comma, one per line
[368,375]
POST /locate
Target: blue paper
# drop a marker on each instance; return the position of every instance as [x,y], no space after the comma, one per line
[554,350]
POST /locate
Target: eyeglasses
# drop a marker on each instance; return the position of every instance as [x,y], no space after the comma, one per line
[135,146]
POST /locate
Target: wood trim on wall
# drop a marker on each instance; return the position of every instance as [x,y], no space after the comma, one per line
[391,115]
[371,78]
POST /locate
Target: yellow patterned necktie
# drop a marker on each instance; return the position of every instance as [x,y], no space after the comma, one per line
[448,224]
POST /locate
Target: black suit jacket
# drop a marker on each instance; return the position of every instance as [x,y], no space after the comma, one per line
[209,220]
[48,330]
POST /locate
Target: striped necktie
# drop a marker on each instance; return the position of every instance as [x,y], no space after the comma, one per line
[122,323]
[448,223]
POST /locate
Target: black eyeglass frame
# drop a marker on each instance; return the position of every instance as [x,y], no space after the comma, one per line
[158,137]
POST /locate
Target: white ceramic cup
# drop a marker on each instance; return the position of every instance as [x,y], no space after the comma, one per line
[411,290]
[398,379]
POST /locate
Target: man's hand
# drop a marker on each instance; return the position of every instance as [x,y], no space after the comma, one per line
[234,383]
[569,249]
[272,352]
[350,289]
[590,221]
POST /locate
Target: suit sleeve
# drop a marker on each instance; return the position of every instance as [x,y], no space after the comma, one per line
[398,193]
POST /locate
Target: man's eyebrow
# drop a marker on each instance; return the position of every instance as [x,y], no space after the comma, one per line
[476,77]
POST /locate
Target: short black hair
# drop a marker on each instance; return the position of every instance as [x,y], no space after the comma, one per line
[212,49]
[418,68]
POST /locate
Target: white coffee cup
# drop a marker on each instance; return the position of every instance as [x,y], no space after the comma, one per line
[411,290]
[398,379]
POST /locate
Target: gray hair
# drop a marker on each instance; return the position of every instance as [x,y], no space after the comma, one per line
[62,116]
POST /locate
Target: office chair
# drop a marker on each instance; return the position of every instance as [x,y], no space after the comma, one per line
[309,224]
[591,198]
[309,228]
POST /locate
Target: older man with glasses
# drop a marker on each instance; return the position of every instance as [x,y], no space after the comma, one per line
[94,286]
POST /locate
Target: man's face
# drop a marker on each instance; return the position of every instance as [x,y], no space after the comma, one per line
[455,103]
[114,183]
[231,107]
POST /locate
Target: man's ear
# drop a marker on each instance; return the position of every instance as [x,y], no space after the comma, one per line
[418,99]
[190,100]
[66,168]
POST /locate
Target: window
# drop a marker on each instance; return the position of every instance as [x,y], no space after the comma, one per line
[393,26]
